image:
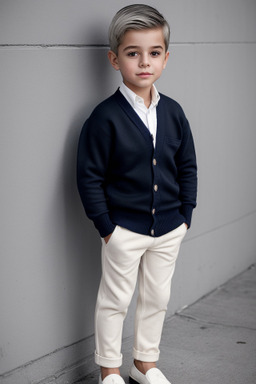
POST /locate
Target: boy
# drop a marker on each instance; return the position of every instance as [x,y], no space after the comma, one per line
[137,179]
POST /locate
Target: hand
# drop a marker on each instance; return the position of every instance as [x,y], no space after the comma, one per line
[107,238]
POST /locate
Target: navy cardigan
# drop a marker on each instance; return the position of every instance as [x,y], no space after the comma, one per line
[123,180]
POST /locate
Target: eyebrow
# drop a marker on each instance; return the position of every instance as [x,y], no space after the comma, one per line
[137,47]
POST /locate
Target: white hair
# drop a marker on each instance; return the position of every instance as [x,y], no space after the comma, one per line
[136,17]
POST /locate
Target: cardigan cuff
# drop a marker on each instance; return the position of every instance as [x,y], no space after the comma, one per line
[104,225]
[186,210]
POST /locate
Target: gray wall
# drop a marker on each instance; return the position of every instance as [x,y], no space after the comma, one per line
[53,71]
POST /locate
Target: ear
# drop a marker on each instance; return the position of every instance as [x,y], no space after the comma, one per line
[166,59]
[113,60]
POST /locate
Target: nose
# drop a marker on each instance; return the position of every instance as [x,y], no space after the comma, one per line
[144,62]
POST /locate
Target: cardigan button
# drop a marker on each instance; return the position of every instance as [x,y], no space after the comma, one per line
[153,211]
[154,161]
[155,187]
[152,232]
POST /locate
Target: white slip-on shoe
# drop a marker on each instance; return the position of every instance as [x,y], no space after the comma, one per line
[112,379]
[153,376]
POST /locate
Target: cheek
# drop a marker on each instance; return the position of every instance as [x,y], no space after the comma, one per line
[163,65]
[128,67]
[160,67]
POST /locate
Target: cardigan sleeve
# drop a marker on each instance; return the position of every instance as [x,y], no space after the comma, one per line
[94,150]
[187,173]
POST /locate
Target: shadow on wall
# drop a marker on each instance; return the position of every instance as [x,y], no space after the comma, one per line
[82,242]
[82,239]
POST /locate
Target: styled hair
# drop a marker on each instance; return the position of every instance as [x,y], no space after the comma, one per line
[136,17]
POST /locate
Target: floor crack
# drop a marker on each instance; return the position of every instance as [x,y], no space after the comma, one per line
[195,319]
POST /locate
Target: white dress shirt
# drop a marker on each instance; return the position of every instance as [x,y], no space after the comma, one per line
[147,115]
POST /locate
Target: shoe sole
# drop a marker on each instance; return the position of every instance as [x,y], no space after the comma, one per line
[132,381]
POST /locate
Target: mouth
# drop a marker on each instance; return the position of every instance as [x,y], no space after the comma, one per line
[144,74]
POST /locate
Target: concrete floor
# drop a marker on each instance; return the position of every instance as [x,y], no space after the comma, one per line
[211,342]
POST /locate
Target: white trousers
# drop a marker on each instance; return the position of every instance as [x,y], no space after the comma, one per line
[124,257]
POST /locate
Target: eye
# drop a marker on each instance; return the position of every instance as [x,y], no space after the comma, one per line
[132,54]
[155,53]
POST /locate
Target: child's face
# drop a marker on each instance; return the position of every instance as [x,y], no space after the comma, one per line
[141,59]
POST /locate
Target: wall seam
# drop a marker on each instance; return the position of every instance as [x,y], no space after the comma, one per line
[31,362]
[246,215]
[45,46]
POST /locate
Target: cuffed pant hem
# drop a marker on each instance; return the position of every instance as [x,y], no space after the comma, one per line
[107,362]
[145,357]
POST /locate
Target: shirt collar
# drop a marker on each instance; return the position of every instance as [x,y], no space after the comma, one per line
[137,100]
